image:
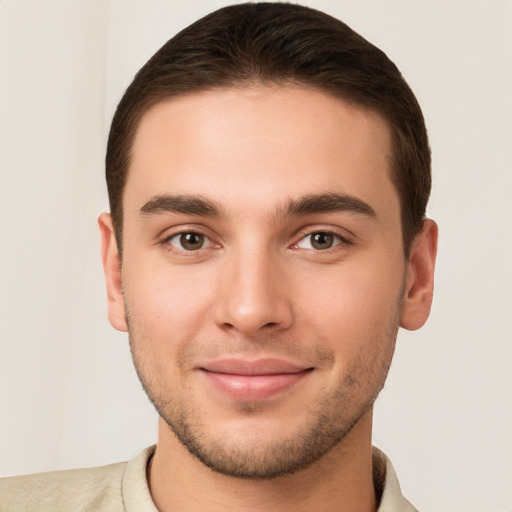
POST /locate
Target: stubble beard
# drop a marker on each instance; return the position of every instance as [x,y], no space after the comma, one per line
[327,422]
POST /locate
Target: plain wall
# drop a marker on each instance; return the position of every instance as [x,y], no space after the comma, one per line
[69,396]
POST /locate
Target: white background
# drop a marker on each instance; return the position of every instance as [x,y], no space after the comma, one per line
[68,394]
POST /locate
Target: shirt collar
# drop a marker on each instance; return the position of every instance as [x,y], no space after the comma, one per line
[136,494]
[386,485]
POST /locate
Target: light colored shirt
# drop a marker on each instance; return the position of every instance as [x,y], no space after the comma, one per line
[123,487]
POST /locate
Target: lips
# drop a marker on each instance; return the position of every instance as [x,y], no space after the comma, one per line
[251,381]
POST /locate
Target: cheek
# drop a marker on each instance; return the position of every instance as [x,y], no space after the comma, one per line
[167,305]
[347,307]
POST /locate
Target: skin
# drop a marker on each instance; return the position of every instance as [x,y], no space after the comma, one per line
[270,276]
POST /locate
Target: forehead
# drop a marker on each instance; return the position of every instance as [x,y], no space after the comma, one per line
[263,142]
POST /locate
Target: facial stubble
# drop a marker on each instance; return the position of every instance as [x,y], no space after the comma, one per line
[327,423]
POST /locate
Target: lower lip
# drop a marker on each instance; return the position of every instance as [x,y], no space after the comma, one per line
[252,388]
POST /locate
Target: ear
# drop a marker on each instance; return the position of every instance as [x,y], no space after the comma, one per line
[113,275]
[419,285]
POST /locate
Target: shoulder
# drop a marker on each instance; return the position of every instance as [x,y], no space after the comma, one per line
[115,488]
[78,489]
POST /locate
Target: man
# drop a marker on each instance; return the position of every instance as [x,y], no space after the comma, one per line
[268,173]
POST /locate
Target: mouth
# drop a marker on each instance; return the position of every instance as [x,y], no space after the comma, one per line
[252,381]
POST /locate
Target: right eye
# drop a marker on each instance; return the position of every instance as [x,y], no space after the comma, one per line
[189,241]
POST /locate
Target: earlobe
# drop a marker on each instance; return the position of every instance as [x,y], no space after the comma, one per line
[112,269]
[419,286]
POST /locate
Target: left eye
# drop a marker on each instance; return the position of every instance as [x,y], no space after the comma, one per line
[189,241]
[319,241]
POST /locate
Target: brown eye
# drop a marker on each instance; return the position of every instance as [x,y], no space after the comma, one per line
[189,241]
[321,241]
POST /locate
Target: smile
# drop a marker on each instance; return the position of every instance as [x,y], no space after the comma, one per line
[252,381]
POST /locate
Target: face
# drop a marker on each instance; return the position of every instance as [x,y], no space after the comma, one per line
[263,278]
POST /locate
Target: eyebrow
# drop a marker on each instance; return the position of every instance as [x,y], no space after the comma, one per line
[325,203]
[305,205]
[191,205]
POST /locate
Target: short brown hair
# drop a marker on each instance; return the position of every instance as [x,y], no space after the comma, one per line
[284,44]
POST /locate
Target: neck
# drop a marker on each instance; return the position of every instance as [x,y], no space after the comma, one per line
[340,481]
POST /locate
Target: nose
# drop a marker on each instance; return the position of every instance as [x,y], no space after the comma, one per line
[254,294]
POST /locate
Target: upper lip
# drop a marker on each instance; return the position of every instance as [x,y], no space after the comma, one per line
[265,366]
